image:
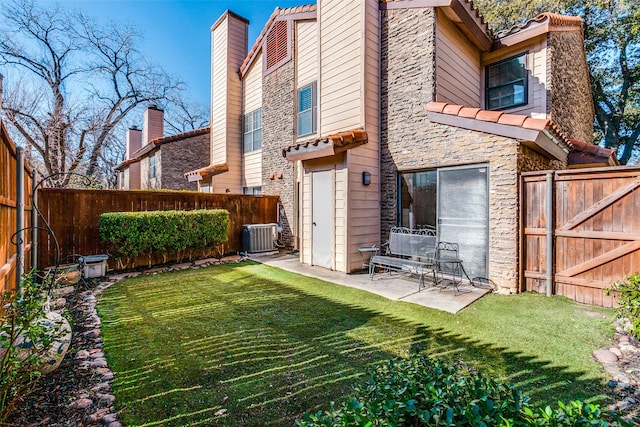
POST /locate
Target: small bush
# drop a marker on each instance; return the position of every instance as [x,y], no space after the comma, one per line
[26,340]
[430,392]
[629,301]
[129,234]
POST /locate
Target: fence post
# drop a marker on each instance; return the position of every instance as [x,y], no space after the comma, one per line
[19,216]
[34,220]
[549,234]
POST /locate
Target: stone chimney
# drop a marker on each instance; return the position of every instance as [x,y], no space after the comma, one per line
[134,141]
[153,124]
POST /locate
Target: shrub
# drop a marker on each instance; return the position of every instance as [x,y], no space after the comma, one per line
[28,340]
[629,301]
[129,234]
[430,392]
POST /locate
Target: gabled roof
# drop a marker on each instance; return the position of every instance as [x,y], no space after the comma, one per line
[155,143]
[541,24]
[462,12]
[309,9]
[325,146]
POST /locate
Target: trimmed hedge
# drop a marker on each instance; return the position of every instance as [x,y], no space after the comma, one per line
[129,234]
[430,392]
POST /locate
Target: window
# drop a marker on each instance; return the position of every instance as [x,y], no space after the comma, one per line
[252,139]
[307,110]
[152,166]
[254,191]
[506,85]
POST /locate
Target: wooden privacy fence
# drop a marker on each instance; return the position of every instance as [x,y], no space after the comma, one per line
[10,211]
[73,216]
[595,231]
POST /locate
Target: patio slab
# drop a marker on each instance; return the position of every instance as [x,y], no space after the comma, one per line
[395,286]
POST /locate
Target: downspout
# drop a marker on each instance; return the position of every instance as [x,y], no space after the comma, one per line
[549,233]
[19,216]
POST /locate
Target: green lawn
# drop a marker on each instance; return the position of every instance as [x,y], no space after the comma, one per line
[247,344]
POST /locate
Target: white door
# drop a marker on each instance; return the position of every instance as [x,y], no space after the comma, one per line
[322,217]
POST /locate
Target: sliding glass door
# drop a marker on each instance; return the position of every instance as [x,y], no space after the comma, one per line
[455,201]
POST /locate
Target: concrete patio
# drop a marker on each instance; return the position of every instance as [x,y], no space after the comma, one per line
[394,286]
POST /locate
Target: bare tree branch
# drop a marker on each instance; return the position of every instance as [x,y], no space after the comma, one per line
[93,76]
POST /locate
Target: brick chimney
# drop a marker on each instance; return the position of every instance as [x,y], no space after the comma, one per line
[153,124]
[134,141]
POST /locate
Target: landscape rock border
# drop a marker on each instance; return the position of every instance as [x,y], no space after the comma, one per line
[622,363]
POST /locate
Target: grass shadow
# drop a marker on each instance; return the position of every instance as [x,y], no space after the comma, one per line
[247,344]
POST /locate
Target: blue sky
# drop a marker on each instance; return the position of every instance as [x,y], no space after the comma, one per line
[177,33]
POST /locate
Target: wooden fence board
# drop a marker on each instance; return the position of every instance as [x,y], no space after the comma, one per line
[596,231]
[73,216]
[9,211]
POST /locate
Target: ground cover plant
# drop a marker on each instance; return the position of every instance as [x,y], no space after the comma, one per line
[248,344]
[427,391]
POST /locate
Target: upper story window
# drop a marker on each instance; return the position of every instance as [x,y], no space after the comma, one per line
[506,85]
[307,109]
[252,139]
[152,166]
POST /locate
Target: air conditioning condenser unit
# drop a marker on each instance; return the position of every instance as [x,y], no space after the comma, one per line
[259,237]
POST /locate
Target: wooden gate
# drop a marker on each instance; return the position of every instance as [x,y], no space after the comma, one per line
[595,231]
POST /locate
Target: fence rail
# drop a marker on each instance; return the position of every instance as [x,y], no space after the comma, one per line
[595,231]
[73,216]
[9,211]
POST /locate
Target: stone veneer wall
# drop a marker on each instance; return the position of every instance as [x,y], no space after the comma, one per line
[569,88]
[278,117]
[530,161]
[407,73]
[179,157]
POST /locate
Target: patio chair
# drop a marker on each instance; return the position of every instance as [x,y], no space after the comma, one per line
[448,261]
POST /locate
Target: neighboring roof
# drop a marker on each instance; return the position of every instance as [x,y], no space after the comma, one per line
[545,134]
[325,146]
[309,9]
[155,143]
[541,24]
[590,155]
[462,12]
[211,170]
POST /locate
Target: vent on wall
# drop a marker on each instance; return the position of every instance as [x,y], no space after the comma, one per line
[277,44]
[259,237]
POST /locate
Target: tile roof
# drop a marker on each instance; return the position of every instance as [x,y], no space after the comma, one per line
[580,152]
[341,141]
[548,18]
[210,170]
[584,153]
[499,117]
[276,13]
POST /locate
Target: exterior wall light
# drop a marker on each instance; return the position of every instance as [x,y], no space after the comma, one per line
[366,178]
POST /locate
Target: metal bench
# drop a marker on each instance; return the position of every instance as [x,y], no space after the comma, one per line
[409,251]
